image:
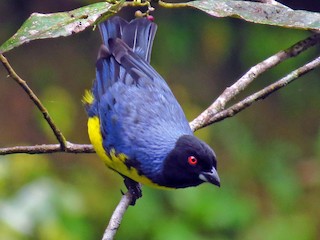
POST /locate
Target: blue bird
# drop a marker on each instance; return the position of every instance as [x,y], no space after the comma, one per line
[135,123]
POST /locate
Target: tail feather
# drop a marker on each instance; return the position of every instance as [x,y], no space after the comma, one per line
[138,34]
[112,28]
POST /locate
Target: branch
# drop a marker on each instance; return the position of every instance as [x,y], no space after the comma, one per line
[265,92]
[48,148]
[116,218]
[205,118]
[61,139]
[172,5]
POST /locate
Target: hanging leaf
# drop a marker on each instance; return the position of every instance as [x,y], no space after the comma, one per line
[263,13]
[41,26]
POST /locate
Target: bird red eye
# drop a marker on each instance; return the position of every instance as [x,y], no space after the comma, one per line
[192,160]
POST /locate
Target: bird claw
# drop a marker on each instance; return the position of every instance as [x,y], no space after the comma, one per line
[134,189]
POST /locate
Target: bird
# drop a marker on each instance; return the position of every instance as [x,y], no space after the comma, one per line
[135,123]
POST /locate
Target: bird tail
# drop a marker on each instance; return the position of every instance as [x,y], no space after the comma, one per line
[138,34]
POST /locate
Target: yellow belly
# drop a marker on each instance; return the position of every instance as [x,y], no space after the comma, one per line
[115,161]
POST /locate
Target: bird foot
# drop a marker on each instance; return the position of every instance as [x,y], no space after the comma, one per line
[134,188]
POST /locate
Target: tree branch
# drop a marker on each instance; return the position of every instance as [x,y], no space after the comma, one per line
[265,92]
[172,5]
[205,118]
[48,148]
[61,139]
[116,218]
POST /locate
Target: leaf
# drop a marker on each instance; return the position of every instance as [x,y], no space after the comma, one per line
[263,13]
[41,26]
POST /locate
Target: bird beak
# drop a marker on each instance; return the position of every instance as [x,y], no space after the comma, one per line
[211,177]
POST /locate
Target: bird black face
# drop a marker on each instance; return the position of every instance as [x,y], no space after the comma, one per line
[190,163]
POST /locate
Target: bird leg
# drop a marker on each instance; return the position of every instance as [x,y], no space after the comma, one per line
[134,188]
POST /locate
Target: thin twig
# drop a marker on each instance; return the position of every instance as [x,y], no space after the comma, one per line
[116,218]
[265,92]
[205,118]
[61,139]
[48,148]
[172,5]
[136,4]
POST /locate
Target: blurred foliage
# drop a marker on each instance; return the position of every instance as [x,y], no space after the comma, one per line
[269,155]
[61,107]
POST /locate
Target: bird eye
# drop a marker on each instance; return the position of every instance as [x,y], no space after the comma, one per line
[192,160]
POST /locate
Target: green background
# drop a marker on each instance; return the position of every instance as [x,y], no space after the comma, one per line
[268,155]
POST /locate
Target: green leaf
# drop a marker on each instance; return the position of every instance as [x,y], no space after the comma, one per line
[41,26]
[263,13]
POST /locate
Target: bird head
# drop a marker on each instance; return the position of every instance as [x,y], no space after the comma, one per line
[190,163]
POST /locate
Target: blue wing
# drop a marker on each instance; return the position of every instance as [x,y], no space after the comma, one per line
[138,113]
